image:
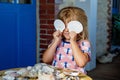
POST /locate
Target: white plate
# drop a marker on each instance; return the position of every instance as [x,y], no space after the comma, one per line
[59,25]
[75,26]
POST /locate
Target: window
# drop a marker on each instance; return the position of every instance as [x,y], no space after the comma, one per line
[24,1]
[17,1]
[6,1]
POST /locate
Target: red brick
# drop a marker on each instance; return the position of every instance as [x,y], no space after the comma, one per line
[47,26]
[43,11]
[46,16]
[50,27]
[50,11]
[46,36]
[49,41]
[50,22]
[43,46]
[50,1]
[43,41]
[50,31]
[47,6]
[43,31]
[43,21]
[43,26]
[42,1]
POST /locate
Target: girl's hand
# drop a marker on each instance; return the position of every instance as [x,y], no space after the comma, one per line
[57,36]
[73,36]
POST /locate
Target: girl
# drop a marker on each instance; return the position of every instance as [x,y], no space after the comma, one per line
[69,49]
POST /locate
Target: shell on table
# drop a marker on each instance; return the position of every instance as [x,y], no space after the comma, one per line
[42,71]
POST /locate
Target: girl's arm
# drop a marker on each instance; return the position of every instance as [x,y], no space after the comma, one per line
[48,55]
[80,57]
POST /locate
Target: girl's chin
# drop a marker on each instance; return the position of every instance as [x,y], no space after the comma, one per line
[67,38]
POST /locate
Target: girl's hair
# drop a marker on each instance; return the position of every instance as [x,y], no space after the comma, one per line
[68,14]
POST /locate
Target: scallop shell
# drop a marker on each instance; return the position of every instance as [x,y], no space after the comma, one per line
[75,26]
[59,25]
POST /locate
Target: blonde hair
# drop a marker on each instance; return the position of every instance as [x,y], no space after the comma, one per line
[68,14]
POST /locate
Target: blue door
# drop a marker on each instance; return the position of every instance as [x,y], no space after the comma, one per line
[17,33]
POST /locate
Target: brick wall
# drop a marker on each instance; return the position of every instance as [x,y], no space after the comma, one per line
[46,23]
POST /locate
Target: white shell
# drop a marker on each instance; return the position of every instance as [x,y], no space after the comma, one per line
[59,25]
[74,73]
[75,26]
[9,71]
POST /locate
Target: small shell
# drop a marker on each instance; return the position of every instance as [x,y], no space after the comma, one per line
[45,76]
[7,77]
[74,73]
[22,72]
[59,25]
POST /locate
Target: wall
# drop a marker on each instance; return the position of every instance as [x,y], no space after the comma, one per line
[46,24]
[101,35]
[90,7]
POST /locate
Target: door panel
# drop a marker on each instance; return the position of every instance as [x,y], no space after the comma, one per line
[8,46]
[18,33]
[27,39]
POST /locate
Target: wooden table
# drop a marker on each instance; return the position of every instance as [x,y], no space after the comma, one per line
[82,76]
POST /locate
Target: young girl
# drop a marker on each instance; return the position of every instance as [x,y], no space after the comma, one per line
[69,49]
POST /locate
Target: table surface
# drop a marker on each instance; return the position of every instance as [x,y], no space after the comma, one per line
[82,76]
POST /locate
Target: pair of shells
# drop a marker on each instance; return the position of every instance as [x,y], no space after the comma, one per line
[72,26]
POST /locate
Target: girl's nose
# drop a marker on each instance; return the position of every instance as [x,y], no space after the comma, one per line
[66,29]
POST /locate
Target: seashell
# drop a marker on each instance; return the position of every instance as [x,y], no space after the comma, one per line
[38,66]
[29,68]
[9,71]
[33,73]
[47,69]
[75,26]
[45,76]
[59,25]
[7,77]
[74,73]
[22,72]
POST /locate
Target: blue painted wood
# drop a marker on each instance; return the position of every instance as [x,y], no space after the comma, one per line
[17,35]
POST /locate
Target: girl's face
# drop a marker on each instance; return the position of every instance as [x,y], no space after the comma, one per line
[66,33]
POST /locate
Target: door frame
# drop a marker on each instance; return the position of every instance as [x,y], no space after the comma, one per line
[38,31]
